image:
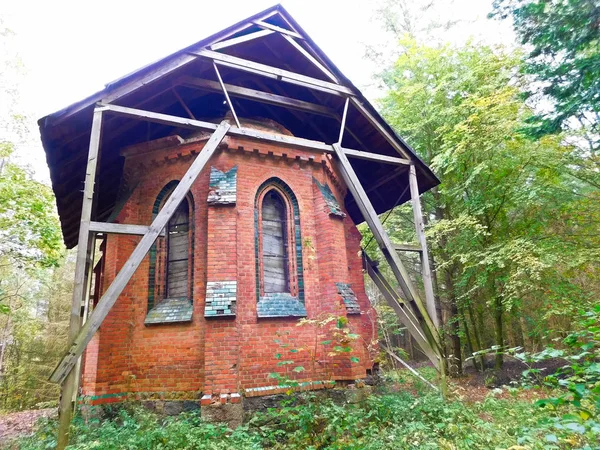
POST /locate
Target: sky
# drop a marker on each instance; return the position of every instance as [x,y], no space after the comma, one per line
[72,48]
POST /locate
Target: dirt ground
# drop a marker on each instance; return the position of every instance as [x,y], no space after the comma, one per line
[21,423]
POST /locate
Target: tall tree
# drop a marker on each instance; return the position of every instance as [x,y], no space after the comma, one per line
[563,42]
[492,220]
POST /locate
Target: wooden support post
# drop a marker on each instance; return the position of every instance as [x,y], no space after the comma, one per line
[114,290]
[182,103]
[368,212]
[259,96]
[237,122]
[403,311]
[240,39]
[343,122]
[420,228]
[268,26]
[411,370]
[120,228]
[274,72]
[84,247]
[310,57]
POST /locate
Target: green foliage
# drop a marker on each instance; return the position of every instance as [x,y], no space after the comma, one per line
[398,420]
[29,228]
[513,227]
[320,353]
[564,57]
[139,429]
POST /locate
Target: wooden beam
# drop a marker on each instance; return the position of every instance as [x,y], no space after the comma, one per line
[259,96]
[292,141]
[375,157]
[158,224]
[231,108]
[420,228]
[281,74]
[182,103]
[410,369]
[404,313]
[238,40]
[311,58]
[368,212]
[207,126]
[283,31]
[392,140]
[121,228]
[84,248]
[408,248]
[343,122]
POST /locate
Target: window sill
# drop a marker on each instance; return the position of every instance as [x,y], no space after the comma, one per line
[170,310]
[280,305]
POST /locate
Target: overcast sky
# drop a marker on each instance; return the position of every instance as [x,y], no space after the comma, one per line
[72,48]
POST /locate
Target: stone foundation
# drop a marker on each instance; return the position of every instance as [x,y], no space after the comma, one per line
[231,409]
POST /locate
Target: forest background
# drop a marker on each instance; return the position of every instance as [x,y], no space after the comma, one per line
[511,130]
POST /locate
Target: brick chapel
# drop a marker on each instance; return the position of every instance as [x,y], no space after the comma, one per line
[260,253]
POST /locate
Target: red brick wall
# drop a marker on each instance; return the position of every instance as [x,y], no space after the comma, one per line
[219,355]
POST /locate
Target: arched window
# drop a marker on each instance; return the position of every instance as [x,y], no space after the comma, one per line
[274,244]
[178,253]
[171,257]
[279,275]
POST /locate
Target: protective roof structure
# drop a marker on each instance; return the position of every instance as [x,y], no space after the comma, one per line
[303,91]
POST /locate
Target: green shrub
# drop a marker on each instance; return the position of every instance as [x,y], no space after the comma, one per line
[309,422]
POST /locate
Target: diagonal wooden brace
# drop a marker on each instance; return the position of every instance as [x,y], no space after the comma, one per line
[376,227]
[116,288]
[403,311]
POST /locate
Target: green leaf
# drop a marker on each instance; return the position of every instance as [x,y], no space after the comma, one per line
[299,369]
[354,359]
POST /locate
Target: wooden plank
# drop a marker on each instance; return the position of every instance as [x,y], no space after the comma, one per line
[411,370]
[284,75]
[292,141]
[311,58]
[238,40]
[408,248]
[343,122]
[120,228]
[114,290]
[392,140]
[420,227]
[375,157]
[207,126]
[368,212]
[402,311]
[231,108]
[260,96]
[85,245]
[283,31]
[182,103]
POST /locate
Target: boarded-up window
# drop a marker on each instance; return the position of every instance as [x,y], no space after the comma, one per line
[177,266]
[274,244]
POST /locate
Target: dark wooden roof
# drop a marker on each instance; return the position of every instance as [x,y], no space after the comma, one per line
[66,133]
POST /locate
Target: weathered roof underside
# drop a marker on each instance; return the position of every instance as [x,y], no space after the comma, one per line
[194,85]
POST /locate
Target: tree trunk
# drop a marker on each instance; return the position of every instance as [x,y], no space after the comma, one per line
[499,325]
[476,335]
[516,330]
[468,340]
[453,326]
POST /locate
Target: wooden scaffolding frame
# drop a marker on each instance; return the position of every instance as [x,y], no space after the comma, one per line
[417,315]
